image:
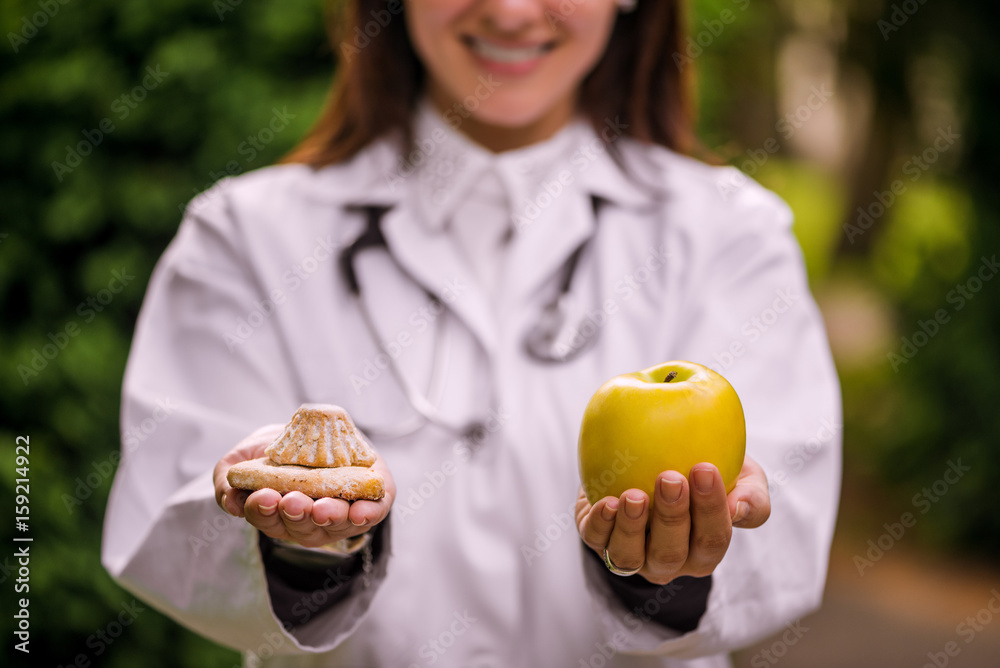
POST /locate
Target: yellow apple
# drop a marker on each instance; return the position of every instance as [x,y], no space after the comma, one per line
[668,417]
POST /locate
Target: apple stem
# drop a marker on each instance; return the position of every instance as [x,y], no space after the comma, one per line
[670,376]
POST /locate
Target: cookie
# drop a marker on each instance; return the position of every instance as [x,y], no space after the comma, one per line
[344,482]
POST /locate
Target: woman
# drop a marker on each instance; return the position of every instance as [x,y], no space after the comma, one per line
[479,162]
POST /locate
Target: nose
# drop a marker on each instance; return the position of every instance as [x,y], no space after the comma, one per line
[512,16]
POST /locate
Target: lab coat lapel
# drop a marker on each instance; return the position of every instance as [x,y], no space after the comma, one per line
[554,216]
[543,242]
[424,252]
[432,259]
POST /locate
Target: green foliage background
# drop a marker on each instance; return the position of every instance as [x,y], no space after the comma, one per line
[223,75]
[228,67]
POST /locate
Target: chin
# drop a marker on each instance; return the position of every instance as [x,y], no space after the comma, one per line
[507,116]
[512,111]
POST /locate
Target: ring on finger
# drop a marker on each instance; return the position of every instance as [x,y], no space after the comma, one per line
[615,569]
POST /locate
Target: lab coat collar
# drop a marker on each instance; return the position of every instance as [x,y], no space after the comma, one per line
[445,164]
[380,175]
[600,175]
[551,188]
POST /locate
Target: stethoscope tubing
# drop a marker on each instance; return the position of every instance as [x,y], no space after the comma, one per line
[540,343]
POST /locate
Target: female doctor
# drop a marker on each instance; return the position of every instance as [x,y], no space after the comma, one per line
[493,216]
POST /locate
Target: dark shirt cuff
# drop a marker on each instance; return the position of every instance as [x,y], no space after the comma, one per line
[301,591]
[678,605]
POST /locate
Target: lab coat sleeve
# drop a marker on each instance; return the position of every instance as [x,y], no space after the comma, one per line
[203,373]
[745,310]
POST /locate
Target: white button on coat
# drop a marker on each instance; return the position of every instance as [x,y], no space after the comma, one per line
[247,316]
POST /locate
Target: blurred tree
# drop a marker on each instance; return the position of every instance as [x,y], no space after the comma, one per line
[935,69]
[907,207]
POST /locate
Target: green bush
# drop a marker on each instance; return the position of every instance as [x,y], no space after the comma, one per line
[115,115]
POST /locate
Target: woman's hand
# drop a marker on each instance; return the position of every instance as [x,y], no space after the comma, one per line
[295,516]
[690,529]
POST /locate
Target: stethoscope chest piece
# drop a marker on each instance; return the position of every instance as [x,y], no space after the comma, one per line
[554,339]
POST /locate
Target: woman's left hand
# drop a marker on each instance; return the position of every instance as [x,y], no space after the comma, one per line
[689,530]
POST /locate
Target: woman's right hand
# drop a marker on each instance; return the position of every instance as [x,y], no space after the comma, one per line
[294,516]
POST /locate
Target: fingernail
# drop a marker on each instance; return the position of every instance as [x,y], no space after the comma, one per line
[609,512]
[324,524]
[223,504]
[633,508]
[268,510]
[294,518]
[363,523]
[703,481]
[670,490]
[742,508]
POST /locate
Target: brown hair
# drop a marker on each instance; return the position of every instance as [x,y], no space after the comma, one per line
[379,81]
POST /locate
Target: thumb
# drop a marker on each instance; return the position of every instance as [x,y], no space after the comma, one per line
[750,500]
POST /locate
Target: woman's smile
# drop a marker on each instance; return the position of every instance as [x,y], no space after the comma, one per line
[508,58]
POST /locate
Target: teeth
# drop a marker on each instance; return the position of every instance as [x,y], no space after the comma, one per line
[506,55]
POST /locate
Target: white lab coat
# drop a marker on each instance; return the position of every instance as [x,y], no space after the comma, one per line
[247,316]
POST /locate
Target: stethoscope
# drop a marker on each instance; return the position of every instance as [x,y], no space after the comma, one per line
[550,341]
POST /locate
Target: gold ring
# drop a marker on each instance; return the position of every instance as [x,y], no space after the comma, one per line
[614,569]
